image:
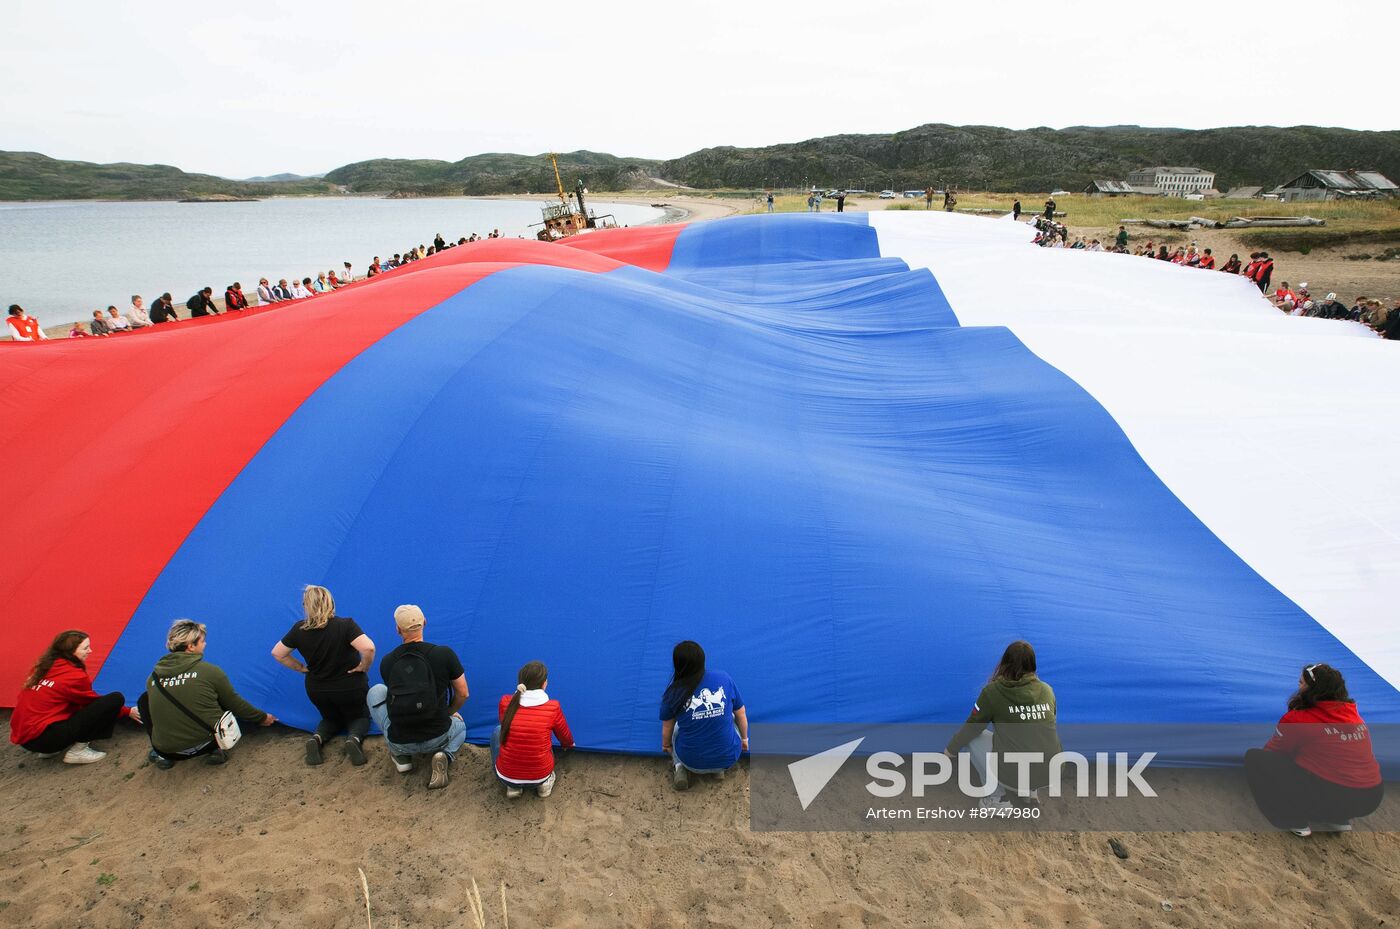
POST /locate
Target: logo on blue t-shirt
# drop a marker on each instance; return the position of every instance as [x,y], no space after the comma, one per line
[707,704]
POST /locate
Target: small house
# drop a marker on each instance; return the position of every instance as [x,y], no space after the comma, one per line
[1328,184]
[1109,189]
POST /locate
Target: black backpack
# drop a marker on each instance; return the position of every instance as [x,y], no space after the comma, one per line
[414,695]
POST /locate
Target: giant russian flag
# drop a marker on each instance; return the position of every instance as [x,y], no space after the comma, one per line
[852,456]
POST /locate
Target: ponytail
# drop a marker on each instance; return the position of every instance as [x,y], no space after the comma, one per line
[532,676]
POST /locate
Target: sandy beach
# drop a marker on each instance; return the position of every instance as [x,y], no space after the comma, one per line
[265,841]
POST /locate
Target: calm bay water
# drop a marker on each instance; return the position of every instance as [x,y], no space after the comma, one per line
[62,260]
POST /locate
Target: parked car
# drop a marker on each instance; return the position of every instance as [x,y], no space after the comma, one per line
[913,194]
[887,195]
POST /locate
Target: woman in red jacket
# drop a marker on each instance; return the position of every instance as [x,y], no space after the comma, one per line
[57,709]
[521,750]
[1318,772]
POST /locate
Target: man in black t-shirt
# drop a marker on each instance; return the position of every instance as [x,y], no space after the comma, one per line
[416,706]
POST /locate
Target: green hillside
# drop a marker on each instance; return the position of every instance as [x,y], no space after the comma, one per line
[975,157]
[494,173]
[990,158]
[31,176]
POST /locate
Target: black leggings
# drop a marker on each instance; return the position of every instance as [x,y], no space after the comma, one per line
[1292,797]
[341,711]
[92,722]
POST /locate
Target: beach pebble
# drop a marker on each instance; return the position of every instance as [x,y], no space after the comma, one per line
[1166,906]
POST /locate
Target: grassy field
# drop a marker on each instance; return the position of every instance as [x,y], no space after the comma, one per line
[1347,221]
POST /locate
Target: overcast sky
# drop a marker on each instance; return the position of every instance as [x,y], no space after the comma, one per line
[261,88]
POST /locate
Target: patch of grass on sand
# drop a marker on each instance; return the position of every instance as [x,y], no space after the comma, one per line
[106,880]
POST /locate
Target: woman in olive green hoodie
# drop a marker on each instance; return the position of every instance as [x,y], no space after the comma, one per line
[185,696]
[1020,707]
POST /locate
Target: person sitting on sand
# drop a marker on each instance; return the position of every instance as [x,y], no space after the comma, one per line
[298,291]
[321,286]
[99,323]
[1020,708]
[116,322]
[522,750]
[335,282]
[282,291]
[78,332]
[1318,772]
[416,706]
[704,723]
[1207,261]
[23,327]
[265,294]
[140,319]
[336,654]
[348,275]
[58,711]
[185,698]
[1232,266]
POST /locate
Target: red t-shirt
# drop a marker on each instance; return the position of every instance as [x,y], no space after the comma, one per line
[527,754]
[65,690]
[1330,740]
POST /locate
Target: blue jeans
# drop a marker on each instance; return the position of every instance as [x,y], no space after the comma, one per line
[450,741]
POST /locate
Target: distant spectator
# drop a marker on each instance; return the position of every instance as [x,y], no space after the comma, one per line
[1391,328]
[265,295]
[163,311]
[116,321]
[1121,242]
[23,327]
[140,319]
[202,303]
[1332,308]
[1050,208]
[840,201]
[99,324]
[234,299]
[348,275]
[1264,272]
[770,201]
[1015,209]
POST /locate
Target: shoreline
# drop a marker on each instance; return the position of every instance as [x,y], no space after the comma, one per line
[670,214]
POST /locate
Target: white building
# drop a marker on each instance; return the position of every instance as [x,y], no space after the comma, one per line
[1173,181]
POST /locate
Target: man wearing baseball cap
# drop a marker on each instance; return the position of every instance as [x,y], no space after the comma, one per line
[416,706]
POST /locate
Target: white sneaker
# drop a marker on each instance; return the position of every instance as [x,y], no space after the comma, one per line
[402,763]
[1302,833]
[994,802]
[547,787]
[82,754]
[513,793]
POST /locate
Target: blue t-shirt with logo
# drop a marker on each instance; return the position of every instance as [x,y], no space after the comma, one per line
[705,737]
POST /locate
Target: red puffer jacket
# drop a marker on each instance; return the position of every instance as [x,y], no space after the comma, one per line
[1330,740]
[526,754]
